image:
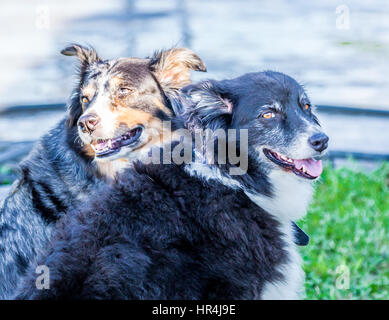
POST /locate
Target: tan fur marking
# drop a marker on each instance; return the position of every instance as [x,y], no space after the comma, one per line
[174,67]
[133,117]
[88,91]
[88,151]
[115,81]
[161,106]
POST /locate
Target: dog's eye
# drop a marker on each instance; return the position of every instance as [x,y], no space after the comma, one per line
[307,106]
[124,90]
[268,115]
[84,99]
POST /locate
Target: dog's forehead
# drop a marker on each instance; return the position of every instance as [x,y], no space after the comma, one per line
[280,85]
[130,70]
[264,88]
[130,67]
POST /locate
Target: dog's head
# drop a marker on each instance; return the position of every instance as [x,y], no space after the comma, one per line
[277,112]
[119,105]
[285,140]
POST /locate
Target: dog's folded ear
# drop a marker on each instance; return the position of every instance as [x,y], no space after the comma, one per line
[172,67]
[207,105]
[87,55]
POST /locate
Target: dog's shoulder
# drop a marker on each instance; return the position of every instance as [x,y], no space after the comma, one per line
[53,177]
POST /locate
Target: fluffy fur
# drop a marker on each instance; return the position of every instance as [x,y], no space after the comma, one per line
[162,234]
[60,171]
[54,177]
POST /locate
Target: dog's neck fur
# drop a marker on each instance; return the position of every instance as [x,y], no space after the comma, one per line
[111,169]
[289,198]
[288,201]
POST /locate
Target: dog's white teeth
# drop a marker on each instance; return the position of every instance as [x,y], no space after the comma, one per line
[285,158]
[304,169]
[110,143]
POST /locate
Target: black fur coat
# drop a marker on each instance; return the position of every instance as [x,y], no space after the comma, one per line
[161,234]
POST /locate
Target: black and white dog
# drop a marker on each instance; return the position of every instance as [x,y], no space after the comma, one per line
[195,231]
[285,144]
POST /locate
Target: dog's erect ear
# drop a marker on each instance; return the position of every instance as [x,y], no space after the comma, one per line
[86,55]
[208,105]
[172,67]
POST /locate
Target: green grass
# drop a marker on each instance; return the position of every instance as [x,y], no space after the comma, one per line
[348,223]
[6,175]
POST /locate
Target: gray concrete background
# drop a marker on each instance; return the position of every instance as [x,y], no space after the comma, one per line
[301,38]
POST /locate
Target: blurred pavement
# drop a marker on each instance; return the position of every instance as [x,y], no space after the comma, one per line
[300,38]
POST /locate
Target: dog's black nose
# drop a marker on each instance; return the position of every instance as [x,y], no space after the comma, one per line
[319,141]
[88,122]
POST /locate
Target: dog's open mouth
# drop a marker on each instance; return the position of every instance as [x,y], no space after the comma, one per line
[107,147]
[306,168]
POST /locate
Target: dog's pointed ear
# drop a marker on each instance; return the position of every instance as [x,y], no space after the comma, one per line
[172,67]
[86,55]
[208,105]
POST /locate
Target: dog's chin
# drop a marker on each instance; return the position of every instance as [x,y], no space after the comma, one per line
[291,193]
[128,153]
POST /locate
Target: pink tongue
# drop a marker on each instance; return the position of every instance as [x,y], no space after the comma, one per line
[314,167]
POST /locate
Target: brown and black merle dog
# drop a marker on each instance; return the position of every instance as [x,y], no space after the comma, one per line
[107,109]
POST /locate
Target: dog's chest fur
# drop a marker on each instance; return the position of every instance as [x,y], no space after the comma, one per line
[162,234]
[290,200]
[234,245]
